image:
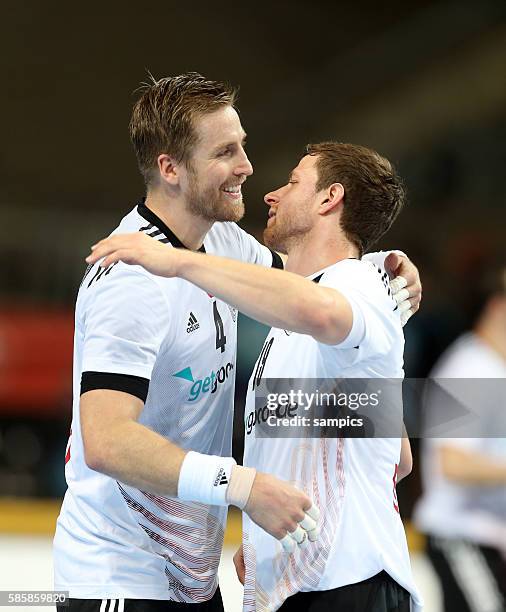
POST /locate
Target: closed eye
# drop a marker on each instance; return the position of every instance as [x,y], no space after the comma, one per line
[229,150]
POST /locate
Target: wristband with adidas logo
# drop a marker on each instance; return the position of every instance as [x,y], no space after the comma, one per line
[205,478]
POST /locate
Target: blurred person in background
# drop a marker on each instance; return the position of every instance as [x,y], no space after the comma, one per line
[463,506]
[148,465]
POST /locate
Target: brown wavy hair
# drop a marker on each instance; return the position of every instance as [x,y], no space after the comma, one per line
[374,193]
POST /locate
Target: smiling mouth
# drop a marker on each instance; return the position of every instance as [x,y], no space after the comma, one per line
[234,192]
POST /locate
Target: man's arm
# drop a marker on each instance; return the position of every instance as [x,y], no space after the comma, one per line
[406,459]
[117,445]
[274,297]
[294,304]
[471,467]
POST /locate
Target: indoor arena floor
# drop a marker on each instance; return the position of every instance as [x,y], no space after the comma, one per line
[26,564]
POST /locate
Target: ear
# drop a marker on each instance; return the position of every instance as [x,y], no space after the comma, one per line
[334,195]
[169,169]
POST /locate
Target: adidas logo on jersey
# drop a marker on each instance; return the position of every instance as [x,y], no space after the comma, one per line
[193,324]
[221,479]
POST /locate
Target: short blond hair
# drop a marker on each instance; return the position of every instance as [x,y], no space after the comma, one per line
[163,117]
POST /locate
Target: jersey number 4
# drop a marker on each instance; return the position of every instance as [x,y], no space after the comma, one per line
[221,339]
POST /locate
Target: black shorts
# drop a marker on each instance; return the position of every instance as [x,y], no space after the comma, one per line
[472,577]
[377,594]
[141,605]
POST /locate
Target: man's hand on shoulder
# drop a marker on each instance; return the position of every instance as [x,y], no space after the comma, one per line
[406,285]
[137,249]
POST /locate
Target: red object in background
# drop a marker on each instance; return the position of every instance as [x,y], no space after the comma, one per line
[35,361]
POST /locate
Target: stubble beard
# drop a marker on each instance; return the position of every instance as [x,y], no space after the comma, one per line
[288,231]
[282,238]
[213,206]
[273,239]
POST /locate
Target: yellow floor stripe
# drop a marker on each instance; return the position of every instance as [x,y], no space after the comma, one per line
[233,533]
[417,542]
[38,517]
[28,516]
[34,516]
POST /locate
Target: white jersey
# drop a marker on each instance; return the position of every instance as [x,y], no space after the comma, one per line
[449,509]
[140,333]
[352,481]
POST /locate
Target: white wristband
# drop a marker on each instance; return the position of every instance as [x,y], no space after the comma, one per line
[205,478]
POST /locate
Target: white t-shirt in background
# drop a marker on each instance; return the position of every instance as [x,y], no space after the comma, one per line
[447,508]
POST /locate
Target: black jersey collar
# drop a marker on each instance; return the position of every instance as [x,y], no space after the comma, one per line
[150,216]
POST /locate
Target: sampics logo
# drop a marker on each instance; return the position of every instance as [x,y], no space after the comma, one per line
[209,384]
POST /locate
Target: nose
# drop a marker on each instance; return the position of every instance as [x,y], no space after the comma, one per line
[244,166]
[271,198]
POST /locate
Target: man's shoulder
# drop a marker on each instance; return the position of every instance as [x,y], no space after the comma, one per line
[363,276]
[226,229]
[469,357]
[227,239]
[367,288]
[133,221]
[120,290]
[128,278]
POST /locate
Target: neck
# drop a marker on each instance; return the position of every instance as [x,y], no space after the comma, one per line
[308,255]
[493,335]
[189,228]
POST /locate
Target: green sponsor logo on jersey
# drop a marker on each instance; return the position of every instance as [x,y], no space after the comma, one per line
[205,385]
